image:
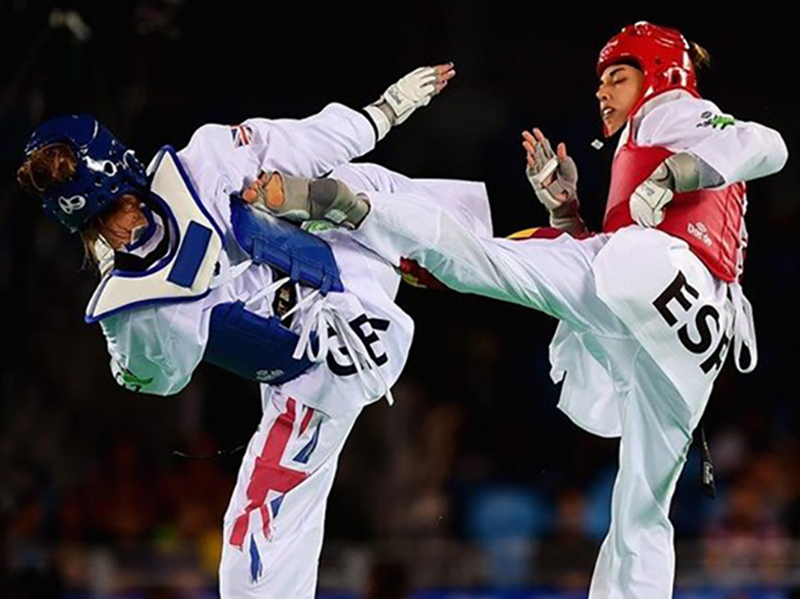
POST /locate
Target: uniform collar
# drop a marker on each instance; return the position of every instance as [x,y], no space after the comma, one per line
[647,108]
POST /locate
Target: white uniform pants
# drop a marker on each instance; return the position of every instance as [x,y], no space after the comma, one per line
[560,277]
[274,525]
[273,528]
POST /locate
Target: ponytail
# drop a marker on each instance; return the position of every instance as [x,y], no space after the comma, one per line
[46,169]
[700,57]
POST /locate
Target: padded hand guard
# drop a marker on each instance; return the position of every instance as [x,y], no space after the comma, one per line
[412,91]
[649,199]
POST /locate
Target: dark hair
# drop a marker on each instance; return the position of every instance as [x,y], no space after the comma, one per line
[49,167]
[631,62]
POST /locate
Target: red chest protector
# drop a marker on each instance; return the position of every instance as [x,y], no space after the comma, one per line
[710,221]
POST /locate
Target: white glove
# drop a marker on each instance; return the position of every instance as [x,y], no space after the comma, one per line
[560,197]
[416,89]
[412,91]
[648,201]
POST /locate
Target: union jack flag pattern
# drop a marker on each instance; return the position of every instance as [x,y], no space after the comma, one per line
[242,135]
[279,468]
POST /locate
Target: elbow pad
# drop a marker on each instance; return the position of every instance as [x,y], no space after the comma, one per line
[690,173]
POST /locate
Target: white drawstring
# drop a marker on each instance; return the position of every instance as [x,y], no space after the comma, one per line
[744,328]
[268,290]
[310,322]
[319,316]
[324,315]
[231,273]
[307,299]
[368,371]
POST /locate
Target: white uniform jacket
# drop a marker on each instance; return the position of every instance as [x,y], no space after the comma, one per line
[738,151]
[155,349]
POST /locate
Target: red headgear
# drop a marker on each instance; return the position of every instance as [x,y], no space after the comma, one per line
[661,53]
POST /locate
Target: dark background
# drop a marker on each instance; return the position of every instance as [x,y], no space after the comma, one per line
[85,465]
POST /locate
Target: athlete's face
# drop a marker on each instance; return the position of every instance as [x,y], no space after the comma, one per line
[620,87]
[117,224]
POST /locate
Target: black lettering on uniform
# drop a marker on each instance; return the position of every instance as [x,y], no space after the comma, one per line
[336,368]
[715,360]
[701,346]
[371,338]
[674,292]
[368,338]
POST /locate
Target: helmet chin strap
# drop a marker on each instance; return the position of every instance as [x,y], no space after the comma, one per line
[120,235]
[140,234]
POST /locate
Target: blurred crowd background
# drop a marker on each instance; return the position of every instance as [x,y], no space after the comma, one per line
[473,481]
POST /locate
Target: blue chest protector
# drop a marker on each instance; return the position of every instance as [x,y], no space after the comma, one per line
[253,346]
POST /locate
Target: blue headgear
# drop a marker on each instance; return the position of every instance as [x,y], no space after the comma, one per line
[106,169]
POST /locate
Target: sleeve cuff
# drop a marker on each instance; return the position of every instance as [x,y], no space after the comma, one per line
[379,121]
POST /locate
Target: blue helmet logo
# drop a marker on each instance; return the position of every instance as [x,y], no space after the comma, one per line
[106,169]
